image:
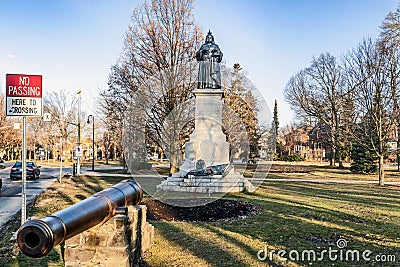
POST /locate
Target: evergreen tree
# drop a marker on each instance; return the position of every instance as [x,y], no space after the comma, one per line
[364,160]
[240,110]
[276,121]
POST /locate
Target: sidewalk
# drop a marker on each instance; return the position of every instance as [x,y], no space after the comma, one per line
[320,181]
[11,205]
[97,173]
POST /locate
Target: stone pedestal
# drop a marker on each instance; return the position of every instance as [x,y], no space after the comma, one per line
[118,242]
[207,143]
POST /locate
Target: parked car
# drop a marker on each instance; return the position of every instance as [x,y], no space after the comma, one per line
[32,171]
[1,160]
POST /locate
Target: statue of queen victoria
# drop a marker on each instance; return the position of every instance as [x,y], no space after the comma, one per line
[209,56]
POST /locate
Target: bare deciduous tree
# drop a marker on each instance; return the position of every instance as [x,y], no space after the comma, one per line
[319,92]
[373,102]
[159,46]
[8,138]
[63,109]
[389,44]
[62,105]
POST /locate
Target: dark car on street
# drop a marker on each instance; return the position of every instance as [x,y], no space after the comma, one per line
[32,171]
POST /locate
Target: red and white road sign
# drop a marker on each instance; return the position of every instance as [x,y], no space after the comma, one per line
[24,95]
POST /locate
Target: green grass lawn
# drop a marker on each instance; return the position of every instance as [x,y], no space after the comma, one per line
[296,217]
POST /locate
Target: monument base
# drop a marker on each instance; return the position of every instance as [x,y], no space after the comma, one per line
[207,141]
[233,182]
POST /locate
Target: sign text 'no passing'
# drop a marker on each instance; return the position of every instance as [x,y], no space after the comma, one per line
[24,95]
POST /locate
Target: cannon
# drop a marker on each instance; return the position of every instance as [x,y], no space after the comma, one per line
[36,238]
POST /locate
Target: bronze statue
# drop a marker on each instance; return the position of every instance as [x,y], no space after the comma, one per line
[209,56]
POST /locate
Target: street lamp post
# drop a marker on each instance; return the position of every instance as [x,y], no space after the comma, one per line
[78,158]
[88,121]
[61,157]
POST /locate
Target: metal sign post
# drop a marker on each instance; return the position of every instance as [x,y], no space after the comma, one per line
[23,209]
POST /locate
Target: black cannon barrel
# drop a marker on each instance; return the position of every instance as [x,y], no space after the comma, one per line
[36,238]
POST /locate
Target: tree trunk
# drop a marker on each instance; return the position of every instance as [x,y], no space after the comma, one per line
[175,156]
[398,149]
[381,171]
[173,168]
[340,160]
[123,161]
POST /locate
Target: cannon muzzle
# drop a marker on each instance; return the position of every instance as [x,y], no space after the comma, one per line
[36,238]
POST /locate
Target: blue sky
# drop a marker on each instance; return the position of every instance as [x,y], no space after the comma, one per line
[73,43]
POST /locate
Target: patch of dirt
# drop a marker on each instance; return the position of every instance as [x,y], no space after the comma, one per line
[218,210]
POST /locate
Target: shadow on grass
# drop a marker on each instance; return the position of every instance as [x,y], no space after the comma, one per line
[301,217]
[309,216]
[343,222]
[281,226]
[202,247]
[374,195]
[89,185]
[223,234]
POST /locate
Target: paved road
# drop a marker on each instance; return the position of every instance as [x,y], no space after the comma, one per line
[10,196]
